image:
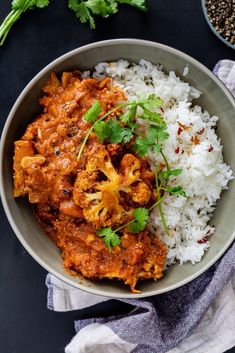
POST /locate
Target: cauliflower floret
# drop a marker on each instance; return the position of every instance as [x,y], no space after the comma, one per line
[130,168]
[141,193]
[97,189]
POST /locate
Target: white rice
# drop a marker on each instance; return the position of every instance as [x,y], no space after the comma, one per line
[204,174]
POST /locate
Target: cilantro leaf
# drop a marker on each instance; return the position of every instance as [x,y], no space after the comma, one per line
[103,8]
[148,104]
[112,7]
[177,190]
[112,131]
[142,146]
[165,174]
[18,4]
[82,12]
[24,5]
[155,135]
[102,130]
[151,102]
[41,3]
[140,4]
[158,133]
[152,116]
[132,126]
[118,133]
[109,237]
[92,114]
[141,216]
[176,172]
[73,5]
[129,115]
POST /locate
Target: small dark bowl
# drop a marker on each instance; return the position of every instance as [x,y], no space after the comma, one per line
[213,28]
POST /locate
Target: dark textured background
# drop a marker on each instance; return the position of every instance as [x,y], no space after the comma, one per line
[26,326]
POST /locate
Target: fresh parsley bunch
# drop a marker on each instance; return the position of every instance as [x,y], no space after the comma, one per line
[18,7]
[85,10]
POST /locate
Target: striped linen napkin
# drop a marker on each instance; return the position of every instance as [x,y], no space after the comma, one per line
[198,317]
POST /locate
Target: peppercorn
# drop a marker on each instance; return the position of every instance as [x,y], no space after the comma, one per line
[222,16]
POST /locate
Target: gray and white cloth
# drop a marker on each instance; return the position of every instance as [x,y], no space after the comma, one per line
[225,71]
[198,317]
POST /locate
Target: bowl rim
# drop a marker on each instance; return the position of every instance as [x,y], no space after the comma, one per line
[10,117]
[217,34]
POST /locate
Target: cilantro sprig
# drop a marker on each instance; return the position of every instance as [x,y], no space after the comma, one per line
[18,8]
[122,128]
[152,141]
[86,10]
[137,224]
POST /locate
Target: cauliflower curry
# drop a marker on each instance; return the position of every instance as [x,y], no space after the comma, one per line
[74,198]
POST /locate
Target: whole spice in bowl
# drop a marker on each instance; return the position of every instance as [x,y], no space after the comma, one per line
[220,16]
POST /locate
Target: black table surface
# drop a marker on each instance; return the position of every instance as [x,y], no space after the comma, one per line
[40,36]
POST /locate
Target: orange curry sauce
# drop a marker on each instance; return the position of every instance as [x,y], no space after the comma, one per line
[71,198]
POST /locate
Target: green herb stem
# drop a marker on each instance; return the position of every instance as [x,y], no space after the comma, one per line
[6,20]
[125,225]
[157,203]
[167,164]
[18,7]
[160,206]
[8,23]
[84,142]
